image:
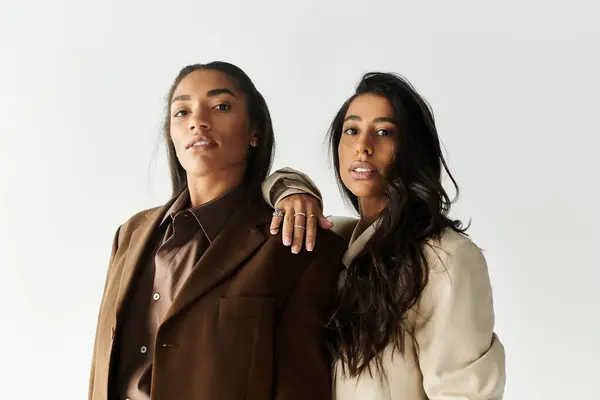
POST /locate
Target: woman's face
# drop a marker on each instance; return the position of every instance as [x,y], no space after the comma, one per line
[367,146]
[209,123]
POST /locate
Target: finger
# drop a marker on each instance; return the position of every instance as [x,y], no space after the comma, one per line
[324,222]
[311,228]
[275,224]
[299,230]
[288,225]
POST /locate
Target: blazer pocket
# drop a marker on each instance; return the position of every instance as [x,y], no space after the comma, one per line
[245,346]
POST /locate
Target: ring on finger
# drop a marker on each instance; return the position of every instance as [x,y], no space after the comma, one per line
[310,216]
[278,212]
[299,226]
[300,213]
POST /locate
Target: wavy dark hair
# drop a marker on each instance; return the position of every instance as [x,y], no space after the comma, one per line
[260,157]
[386,279]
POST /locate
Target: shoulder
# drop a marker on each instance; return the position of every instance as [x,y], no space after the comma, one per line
[322,265]
[140,217]
[457,270]
[330,241]
[311,276]
[453,250]
[328,245]
[135,221]
[343,226]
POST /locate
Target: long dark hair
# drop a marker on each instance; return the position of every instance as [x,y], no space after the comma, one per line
[260,157]
[386,279]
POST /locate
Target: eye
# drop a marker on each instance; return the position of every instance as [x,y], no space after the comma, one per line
[180,113]
[222,107]
[351,131]
[383,132]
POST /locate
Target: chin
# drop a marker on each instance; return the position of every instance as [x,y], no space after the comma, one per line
[198,168]
[365,188]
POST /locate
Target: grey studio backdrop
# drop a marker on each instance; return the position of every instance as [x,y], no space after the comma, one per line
[515,90]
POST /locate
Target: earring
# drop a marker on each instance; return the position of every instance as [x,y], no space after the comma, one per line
[254,142]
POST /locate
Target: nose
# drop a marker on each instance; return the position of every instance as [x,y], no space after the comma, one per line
[364,145]
[200,122]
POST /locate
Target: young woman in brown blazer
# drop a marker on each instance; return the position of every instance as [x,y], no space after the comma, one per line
[200,301]
[414,317]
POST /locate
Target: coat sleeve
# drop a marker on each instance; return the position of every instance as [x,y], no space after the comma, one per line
[286,182]
[93,367]
[303,365]
[460,356]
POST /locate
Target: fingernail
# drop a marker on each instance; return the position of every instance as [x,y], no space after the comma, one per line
[287,240]
[310,246]
[295,249]
[274,231]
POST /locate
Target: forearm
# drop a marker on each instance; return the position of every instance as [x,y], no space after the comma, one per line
[286,182]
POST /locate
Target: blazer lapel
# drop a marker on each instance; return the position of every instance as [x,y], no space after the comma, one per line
[140,240]
[358,242]
[238,239]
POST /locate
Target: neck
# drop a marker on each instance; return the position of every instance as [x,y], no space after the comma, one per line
[206,188]
[370,208]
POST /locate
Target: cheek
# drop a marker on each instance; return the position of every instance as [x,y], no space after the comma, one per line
[345,151]
[233,129]
[175,130]
[387,153]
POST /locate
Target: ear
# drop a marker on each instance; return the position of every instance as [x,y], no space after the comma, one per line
[254,141]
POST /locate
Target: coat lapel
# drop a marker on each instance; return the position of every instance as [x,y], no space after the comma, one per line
[138,246]
[238,239]
[358,241]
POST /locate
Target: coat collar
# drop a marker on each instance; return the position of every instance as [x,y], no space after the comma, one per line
[358,241]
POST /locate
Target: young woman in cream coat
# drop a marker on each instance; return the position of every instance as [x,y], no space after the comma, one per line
[414,317]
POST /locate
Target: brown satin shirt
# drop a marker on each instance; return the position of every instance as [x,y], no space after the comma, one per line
[180,241]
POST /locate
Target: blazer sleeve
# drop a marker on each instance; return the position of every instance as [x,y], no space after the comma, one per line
[460,356]
[303,363]
[286,182]
[93,367]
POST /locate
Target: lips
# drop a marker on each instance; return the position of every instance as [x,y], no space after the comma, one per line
[362,167]
[200,141]
[362,171]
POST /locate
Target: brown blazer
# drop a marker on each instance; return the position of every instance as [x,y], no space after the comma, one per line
[247,324]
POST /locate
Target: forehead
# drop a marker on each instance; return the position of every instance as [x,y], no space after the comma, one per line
[369,106]
[198,83]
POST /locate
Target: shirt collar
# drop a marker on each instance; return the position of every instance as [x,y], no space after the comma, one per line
[211,216]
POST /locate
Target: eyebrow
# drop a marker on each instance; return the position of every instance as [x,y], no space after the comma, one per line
[210,93]
[216,92]
[380,119]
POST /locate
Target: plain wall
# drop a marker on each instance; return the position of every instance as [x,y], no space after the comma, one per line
[514,87]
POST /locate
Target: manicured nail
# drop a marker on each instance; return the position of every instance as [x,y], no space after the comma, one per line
[274,231]
[295,249]
[287,240]
[310,246]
